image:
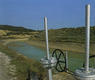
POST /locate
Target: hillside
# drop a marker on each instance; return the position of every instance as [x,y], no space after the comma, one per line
[14,28]
[76,35]
[13,32]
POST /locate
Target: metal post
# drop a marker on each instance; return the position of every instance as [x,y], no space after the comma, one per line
[67,61]
[47,47]
[86,73]
[87,24]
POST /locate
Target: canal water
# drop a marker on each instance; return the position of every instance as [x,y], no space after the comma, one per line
[27,50]
[75,60]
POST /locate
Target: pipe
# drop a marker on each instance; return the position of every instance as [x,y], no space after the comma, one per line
[47,47]
[87,49]
[46,34]
[66,61]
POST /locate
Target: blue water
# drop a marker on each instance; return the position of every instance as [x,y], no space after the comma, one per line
[28,50]
[75,60]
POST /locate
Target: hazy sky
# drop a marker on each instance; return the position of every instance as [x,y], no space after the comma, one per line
[60,13]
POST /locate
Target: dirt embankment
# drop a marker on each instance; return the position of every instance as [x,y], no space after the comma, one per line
[7,71]
[73,47]
[13,40]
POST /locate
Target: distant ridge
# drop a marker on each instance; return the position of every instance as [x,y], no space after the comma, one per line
[76,35]
[14,28]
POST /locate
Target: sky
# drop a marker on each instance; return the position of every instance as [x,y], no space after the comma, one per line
[60,13]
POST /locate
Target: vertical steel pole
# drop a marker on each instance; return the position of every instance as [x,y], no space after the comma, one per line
[87,24]
[67,61]
[47,47]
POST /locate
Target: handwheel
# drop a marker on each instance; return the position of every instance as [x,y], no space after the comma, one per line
[61,60]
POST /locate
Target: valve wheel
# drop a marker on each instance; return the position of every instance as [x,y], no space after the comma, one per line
[61,60]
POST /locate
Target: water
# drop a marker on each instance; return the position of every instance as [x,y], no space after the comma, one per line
[75,61]
[28,50]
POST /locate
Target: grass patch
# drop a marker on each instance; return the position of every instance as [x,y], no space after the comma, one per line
[23,64]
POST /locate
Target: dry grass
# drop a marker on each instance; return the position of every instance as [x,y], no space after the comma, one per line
[63,76]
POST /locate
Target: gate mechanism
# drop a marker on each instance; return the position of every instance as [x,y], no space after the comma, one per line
[61,60]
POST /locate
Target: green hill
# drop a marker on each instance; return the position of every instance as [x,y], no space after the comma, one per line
[76,35]
[14,28]
[13,32]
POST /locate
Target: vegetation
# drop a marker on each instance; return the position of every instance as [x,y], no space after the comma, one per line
[71,39]
[13,32]
[14,28]
[71,35]
[23,64]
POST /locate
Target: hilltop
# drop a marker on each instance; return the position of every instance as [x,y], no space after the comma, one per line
[75,35]
[14,28]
